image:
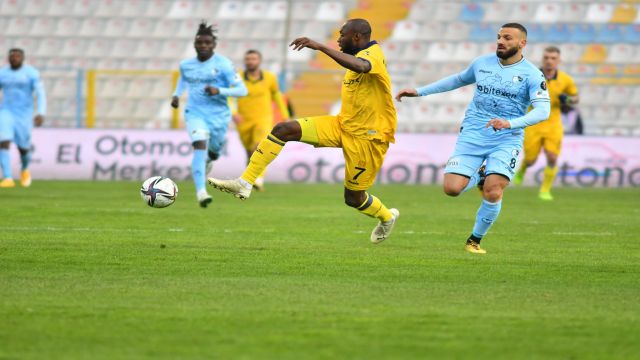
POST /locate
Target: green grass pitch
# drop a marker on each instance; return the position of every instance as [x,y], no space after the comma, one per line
[88,271]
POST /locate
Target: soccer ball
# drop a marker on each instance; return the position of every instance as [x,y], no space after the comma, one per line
[159,191]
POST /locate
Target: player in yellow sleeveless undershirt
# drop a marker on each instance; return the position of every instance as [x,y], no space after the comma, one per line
[254,117]
[548,134]
[363,129]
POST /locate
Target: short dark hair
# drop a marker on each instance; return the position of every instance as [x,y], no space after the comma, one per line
[552,48]
[253,51]
[516,26]
[206,30]
[16,50]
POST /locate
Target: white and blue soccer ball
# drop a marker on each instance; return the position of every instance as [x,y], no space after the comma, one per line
[159,191]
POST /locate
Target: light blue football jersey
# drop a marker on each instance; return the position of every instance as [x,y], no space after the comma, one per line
[217,72]
[502,92]
[18,87]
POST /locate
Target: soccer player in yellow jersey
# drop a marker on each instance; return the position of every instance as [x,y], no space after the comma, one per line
[363,129]
[547,135]
[254,118]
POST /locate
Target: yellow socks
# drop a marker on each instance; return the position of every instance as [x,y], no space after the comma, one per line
[375,208]
[267,151]
[549,176]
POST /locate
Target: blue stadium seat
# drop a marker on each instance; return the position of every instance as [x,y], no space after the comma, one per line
[483,32]
[582,34]
[631,34]
[535,32]
[558,33]
[609,33]
[472,12]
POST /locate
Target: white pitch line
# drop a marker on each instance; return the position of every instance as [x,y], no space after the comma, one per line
[582,233]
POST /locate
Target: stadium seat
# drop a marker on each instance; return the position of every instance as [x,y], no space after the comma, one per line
[618,95]
[620,53]
[472,12]
[73,47]
[594,54]
[67,27]
[582,34]
[303,10]
[18,26]
[187,29]
[420,11]
[43,26]
[48,46]
[558,33]
[571,53]
[157,64]
[181,9]
[330,11]
[141,28]
[405,30]
[466,52]
[273,50]
[445,11]
[488,48]
[423,112]
[573,12]
[147,48]
[240,29]
[631,34]
[497,12]
[268,30]
[629,115]
[605,113]
[392,50]
[426,71]
[108,8]
[462,95]
[165,28]
[457,31]
[111,87]
[440,51]
[123,48]
[431,30]
[35,7]
[159,9]
[591,94]
[230,10]
[608,34]
[122,108]
[414,51]
[91,27]
[624,14]
[536,33]
[106,63]
[254,10]
[548,13]
[116,27]
[11,7]
[582,70]
[598,13]
[277,10]
[450,115]
[63,87]
[483,32]
[99,48]
[521,12]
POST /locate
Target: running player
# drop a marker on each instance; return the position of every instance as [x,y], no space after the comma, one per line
[363,129]
[210,78]
[547,135]
[254,119]
[492,129]
[18,83]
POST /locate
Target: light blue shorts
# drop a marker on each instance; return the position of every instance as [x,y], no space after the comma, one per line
[501,158]
[16,128]
[207,127]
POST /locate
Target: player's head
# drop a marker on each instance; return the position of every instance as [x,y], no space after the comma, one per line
[512,38]
[551,58]
[16,58]
[354,35]
[252,60]
[205,41]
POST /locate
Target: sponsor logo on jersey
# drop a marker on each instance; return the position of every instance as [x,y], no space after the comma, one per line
[485,89]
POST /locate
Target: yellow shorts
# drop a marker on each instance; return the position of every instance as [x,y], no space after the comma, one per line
[548,138]
[252,132]
[363,158]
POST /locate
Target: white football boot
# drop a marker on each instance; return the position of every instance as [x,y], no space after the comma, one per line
[382,231]
[204,199]
[238,187]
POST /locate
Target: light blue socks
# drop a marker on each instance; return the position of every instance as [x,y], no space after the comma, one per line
[5,163]
[486,216]
[198,164]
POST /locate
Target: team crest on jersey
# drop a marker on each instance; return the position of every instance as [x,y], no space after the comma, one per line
[214,72]
[515,152]
[543,85]
[517,79]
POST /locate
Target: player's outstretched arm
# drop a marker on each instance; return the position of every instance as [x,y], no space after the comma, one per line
[345,60]
[540,112]
[447,84]
[406,93]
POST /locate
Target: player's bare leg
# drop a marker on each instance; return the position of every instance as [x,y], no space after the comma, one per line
[7,181]
[550,172]
[371,206]
[267,151]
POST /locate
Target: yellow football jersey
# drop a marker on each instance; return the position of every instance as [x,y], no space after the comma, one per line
[256,106]
[367,103]
[562,83]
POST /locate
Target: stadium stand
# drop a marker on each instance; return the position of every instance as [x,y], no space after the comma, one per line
[423,40]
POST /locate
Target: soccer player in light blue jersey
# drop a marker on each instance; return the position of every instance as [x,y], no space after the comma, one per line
[492,131]
[18,82]
[209,78]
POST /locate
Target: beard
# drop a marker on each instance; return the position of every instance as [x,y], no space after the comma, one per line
[505,54]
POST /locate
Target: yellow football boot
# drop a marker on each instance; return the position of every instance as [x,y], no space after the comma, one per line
[546,196]
[7,183]
[25,178]
[473,247]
